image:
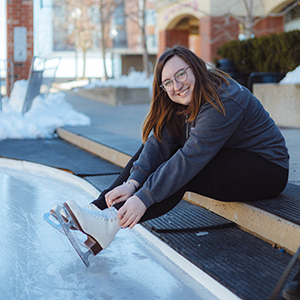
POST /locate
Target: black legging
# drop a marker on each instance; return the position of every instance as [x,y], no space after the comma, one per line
[232,175]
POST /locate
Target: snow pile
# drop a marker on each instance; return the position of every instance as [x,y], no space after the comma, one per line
[133,80]
[41,121]
[292,77]
[17,96]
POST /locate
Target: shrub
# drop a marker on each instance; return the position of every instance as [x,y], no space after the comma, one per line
[271,53]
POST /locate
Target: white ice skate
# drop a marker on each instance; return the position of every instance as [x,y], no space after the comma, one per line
[100,226]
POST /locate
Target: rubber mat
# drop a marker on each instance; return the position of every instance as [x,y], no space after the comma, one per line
[101,182]
[57,153]
[187,217]
[286,205]
[243,263]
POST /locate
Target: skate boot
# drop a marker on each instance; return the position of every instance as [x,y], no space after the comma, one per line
[100,226]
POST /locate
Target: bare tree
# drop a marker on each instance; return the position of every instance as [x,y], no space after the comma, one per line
[144,38]
[76,21]
[137,14]
[107,10]
[250,20]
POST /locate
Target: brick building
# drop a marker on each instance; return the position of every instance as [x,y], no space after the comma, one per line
[19,16]
[201,25]
[204,25]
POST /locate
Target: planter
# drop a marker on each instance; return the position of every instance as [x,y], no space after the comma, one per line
[116,95]
[282,101]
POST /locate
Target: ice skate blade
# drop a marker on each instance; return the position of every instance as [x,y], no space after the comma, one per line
[50,219]
[66,228]
[65,218]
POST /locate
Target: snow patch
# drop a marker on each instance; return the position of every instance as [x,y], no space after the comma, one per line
[133,80]
[292,77]
[45,116]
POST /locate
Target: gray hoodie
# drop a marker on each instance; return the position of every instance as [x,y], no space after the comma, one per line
[164,167]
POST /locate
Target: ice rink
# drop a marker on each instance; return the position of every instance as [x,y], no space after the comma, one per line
[38,262]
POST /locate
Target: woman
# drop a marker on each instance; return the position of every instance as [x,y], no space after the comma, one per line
[210,136]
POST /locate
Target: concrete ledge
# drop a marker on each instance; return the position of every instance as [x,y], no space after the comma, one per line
[267,226]
[282,101]
[35,168]
[115,95]
[114,156]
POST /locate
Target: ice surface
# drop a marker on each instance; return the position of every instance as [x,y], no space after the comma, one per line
[38,262]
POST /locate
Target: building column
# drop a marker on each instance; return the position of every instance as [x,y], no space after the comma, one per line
[19,38]
[170,38]
[269,25]
[214,32]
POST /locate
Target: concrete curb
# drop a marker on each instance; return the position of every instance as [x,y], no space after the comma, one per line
[114,156]
[21,165]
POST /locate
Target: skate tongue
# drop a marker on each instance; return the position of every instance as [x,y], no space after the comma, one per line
[110,213]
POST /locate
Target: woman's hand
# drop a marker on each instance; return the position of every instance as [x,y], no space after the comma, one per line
[119,194]
[131,212]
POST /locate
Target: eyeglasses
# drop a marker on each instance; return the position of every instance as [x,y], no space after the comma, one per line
[180,76]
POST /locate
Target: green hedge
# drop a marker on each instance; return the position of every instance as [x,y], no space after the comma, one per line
[271,53]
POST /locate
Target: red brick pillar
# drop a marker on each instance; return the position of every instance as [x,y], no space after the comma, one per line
[19,37]
[170,38]
[214,32]
[269,25]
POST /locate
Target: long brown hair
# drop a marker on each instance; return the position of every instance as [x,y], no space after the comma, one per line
[163,111]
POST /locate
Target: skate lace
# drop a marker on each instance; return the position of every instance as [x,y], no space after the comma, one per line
[108,214]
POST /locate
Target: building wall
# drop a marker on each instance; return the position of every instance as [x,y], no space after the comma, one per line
[275,6]
[19,14]
[218,23]
[269,25]
[135,61]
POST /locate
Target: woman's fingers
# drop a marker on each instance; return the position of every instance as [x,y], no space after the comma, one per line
[131,212]
[118,194]
[116,200]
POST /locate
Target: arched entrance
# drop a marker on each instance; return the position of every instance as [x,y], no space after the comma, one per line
[182,30]
[202,34]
